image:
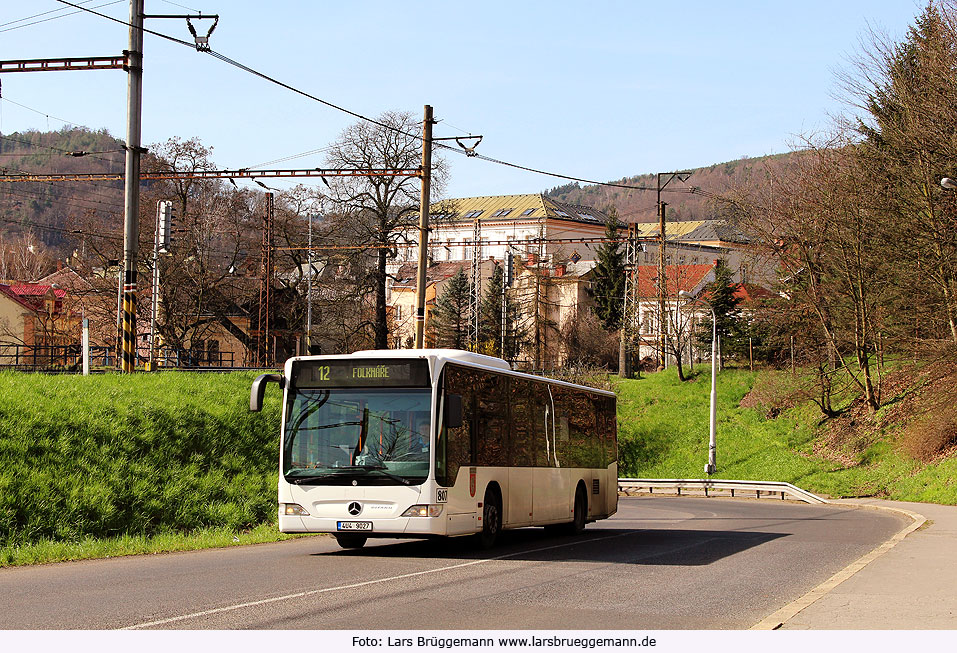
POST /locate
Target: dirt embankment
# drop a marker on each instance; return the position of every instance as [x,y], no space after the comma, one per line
[918,412]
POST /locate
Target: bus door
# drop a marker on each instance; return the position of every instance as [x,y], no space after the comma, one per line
[550,493]
[522,453]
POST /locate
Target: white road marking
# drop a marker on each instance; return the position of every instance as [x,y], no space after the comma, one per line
[298,595]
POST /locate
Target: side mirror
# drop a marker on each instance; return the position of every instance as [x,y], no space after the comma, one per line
[258,391]
[453,411]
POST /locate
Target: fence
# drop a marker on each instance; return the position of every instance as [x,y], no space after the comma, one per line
[69,358]
[708,486]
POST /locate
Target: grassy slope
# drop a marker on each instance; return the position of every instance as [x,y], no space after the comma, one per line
[144,456]
[663,433]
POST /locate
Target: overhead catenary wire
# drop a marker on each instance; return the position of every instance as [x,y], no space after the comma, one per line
[58,150]
[42,113]
[45,13]
[354,114]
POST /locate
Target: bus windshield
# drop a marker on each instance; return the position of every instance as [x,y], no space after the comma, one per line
[373,436]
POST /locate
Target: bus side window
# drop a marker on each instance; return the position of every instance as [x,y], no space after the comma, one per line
[578,438]
[492,413]
[456,448]
[522,438]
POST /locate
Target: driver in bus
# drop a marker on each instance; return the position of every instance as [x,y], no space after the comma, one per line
[419,440]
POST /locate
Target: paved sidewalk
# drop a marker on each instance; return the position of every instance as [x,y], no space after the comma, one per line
[913,585]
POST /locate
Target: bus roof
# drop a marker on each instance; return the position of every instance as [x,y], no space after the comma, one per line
[448,354]
[455,356]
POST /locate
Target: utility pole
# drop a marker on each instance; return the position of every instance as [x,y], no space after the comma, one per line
[425,173]
[662,276]
[630,308]
[132,62]
[263,344]
[475,280]
[506,284]
[662,282]
[309,293]
[424,201]
[134,103]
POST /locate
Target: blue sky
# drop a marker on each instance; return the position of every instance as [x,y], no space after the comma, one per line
[597,90]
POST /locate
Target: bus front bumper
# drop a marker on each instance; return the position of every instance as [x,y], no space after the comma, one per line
[398,526]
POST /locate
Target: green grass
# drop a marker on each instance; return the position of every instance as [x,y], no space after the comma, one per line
[111,456]
[663,433]
[47,551]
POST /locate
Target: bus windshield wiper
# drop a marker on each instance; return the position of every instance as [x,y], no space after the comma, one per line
[385,471]
[299,480]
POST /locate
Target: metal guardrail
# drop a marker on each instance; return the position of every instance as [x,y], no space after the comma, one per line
[757,488]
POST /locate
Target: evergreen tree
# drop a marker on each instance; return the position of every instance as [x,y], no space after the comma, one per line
[722,299]
[608,286]
[490,320]
[449,324]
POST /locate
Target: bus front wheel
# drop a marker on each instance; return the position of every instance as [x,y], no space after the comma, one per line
[350,541]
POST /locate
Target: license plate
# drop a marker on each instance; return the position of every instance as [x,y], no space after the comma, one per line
[354,526]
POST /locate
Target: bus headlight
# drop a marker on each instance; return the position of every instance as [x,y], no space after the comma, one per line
[294,509]
[423,510]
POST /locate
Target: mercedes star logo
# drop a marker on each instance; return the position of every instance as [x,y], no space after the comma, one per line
[354,508]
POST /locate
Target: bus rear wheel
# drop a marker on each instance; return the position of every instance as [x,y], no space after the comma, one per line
[350,541]
[491,519]
[577,525]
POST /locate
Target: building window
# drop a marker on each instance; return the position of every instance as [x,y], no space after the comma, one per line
[473,214]
[502,213]
[212,352]
[527,212]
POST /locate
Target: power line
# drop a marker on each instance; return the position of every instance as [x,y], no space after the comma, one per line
[71,232]
[57,149]
[42,113]
[80,203]
[51,11]
[277,82]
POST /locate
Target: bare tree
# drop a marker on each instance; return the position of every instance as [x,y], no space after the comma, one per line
[374,211]
[25,258]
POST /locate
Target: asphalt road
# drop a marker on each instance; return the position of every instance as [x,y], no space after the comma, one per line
[659,563]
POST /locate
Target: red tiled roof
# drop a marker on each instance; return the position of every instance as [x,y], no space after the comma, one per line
[748,293]
[406,275]
[679,277]
[66,278]
[36,290]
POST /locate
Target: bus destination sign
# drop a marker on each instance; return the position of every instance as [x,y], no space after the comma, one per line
[365,373]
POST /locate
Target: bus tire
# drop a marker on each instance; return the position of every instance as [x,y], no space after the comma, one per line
[491,518]
[350,541]
[577,524]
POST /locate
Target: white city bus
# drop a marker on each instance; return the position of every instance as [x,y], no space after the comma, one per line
[438,442]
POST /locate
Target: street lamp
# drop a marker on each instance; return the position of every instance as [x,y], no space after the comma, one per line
[711,466]
[948,183]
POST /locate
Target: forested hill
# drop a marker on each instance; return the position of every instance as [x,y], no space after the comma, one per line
[639,206]
[48,209]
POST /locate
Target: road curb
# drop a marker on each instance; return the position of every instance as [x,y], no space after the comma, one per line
[781,617]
